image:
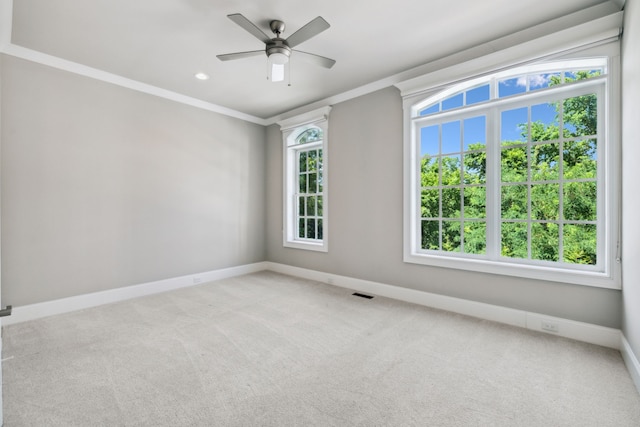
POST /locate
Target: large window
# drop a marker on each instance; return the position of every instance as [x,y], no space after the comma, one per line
[305,205]
[513,173]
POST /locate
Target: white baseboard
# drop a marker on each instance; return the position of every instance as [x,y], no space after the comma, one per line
[580,331]
[79,302]
[630,359]
[586,332]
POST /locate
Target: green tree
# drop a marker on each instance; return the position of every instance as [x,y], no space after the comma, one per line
[455,190]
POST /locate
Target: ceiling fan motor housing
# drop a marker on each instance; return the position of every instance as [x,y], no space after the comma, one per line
[278,45]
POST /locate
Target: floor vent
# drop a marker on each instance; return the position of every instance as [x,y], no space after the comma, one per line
[362,295]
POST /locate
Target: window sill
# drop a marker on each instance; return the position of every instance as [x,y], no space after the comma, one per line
[577,277]
[309,246]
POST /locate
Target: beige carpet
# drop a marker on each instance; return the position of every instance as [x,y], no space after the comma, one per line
[272,350]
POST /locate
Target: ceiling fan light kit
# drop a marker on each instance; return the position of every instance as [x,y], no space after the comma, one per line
[277,49]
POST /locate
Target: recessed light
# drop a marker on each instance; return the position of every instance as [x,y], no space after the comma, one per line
[202,76]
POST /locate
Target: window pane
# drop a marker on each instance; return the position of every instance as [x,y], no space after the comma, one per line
[303,183]
[319,199]
[312,183]
[475,201]
[511,86]
[451,203]
[545,201]
[320,179]
[431,235]
[451,231]
[579,243]
[311,228]
[580,116]
[475,131]
[429,141]
[544,122]
[312,161]
[475,168]
[320,230]
[430,110]
[311,206]
[513,125]
[514,202]
[475,237]
[514,164]
[430,203]
[580,159]
[303,161]
[301,206]
[545,160]
[478,94]
[451,137]
[430,171]
[309,135]
[454,101]
[571,76]
[544,241]
[320,159]
[580,201]
[301,228]
[514,240]
[451,170]
[541,81]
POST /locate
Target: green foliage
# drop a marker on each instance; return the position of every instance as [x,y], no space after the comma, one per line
[453,197]
[309,135]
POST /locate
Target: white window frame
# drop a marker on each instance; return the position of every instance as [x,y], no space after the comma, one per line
[292,128]
[607,272]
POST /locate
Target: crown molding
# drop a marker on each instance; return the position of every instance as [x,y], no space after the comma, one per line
[83,70]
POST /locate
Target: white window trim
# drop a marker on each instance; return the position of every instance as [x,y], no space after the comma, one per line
[418,97]
[291,128]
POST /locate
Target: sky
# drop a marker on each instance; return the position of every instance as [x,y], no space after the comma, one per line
[458,134]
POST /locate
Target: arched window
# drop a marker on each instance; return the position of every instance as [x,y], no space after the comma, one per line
[305,210]
[513,173]
[312,134]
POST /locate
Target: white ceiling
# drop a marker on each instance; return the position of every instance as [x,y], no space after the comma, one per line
[163,43]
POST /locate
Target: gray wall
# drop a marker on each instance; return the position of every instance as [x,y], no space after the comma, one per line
[631,175]
[365,235]
[104,187]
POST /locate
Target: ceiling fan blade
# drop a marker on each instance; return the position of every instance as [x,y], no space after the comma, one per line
[316,59]
[249,26]
[239,55]
[312,28]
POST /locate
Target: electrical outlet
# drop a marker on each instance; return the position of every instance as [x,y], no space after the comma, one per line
[197,280]
[550,326]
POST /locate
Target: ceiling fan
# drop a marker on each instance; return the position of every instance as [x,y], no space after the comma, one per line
[279,50]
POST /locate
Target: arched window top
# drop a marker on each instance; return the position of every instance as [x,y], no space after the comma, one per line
[513,82]
[312,134]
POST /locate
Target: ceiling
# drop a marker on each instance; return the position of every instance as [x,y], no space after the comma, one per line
[164,43]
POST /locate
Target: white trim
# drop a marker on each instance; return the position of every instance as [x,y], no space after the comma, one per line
[630,359]
[80,302]
[310,117]
[606,273]
[596,21]
[83,70]
[601,30]
[586,332]
[291,128]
